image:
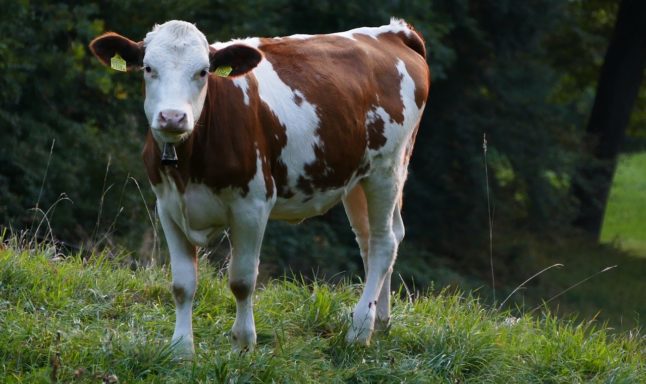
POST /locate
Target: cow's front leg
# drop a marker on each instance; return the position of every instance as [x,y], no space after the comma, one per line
[184,269]
[248,221]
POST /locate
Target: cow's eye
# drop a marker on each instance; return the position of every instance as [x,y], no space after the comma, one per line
[203,72]
[148,69]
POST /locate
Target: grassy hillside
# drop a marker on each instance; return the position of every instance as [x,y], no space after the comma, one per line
[76,321]
[626,209]
[615,296]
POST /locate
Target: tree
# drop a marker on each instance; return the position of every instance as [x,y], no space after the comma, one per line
[617,90]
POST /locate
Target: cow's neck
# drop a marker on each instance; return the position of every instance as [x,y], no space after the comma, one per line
[221,150]
[180,172]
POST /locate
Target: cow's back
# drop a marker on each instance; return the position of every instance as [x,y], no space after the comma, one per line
[340,101]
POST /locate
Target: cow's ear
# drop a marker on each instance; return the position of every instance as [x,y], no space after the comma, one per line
[234,60]
[108,45]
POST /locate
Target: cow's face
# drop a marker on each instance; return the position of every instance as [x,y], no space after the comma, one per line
[175,68]
[176,61]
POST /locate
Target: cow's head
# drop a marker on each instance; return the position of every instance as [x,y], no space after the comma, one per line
[176,61]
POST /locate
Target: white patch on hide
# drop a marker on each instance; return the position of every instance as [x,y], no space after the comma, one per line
[395,26]
[198,212]
[242,83]
[300,121]
[250,41]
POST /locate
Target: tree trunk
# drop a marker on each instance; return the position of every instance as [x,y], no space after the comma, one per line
[617,90]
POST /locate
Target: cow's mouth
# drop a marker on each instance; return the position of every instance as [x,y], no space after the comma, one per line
[173,130]
[171,135]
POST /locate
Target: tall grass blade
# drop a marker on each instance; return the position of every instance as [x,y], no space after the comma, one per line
[486,168]
[155,256]
[42,184]
[573,286]
[101,201]
[527,281]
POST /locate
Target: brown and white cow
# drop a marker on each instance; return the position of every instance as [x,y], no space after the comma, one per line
[300,123]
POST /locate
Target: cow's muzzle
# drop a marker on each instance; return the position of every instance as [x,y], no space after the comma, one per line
[172,121]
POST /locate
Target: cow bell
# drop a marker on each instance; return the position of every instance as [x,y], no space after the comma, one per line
[169,155]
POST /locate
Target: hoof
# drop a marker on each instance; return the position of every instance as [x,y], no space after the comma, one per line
[363,323]
[183,349]
[243,342]
[382,325]
[360,336]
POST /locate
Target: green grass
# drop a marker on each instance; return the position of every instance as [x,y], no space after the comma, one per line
[83,322]
[615,297]
[625,218]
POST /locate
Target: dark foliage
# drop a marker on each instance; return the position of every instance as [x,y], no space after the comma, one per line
[523,73]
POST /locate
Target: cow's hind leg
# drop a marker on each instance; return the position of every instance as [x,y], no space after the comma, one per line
[383,302]
[356,208]
[382,191]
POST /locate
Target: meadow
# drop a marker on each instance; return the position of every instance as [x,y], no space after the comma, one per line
[626,210]
[66,318]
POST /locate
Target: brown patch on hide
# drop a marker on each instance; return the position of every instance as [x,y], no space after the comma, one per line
[179,293]
[240,290]
[376,138]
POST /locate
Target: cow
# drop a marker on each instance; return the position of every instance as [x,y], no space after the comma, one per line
[276,128]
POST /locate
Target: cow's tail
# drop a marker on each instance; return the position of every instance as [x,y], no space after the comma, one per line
[414,39]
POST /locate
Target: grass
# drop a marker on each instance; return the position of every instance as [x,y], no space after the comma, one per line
[66,320]
[625,218]
[615,297]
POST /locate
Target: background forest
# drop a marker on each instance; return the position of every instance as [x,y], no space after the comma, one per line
[523,73]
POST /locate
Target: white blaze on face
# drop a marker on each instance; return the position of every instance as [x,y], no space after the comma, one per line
[175,67]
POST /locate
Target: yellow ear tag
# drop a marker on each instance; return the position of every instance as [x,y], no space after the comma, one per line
[118,63]
[223,71]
